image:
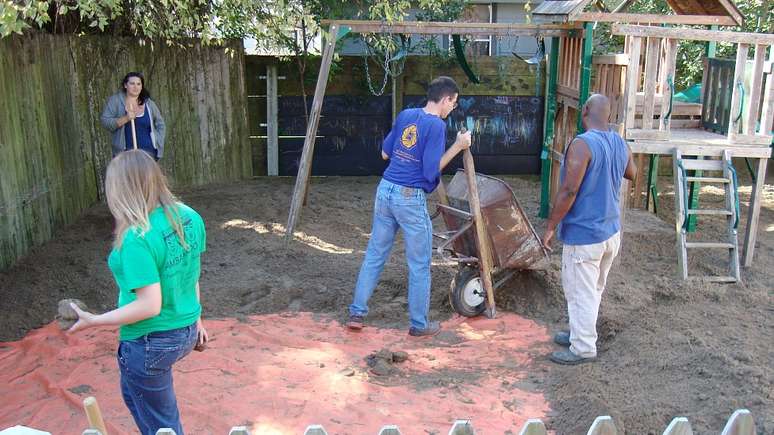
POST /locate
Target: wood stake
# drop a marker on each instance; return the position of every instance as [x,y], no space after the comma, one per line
[93,415]
[482,238]
[305,166]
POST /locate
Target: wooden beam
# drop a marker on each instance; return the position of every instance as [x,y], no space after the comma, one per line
[737,94]
[611,59]
[665,148]
[693,34]
[584,79]
[482,238]
[646,134]
[669,82]
[305,166]
[720,20]
[444,28]
[649,88]
[272,120]
[751,233]
[767,115]
[632,81]
[548,131]
[756,85]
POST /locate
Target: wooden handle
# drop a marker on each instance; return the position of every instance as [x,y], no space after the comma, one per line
[94,415]
[441,189]
[484,250]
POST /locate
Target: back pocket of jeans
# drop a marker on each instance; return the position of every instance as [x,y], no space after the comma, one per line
[164,349]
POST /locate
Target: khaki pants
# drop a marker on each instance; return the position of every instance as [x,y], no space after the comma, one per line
[584,274]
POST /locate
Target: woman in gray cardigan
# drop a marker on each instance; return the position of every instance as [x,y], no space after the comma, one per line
[134,119]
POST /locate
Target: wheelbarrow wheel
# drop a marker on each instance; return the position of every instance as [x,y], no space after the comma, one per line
[467,295]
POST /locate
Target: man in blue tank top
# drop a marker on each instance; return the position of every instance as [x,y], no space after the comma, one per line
[415,148]
[587,206]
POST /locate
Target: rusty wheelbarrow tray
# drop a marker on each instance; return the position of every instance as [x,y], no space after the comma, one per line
[512,241]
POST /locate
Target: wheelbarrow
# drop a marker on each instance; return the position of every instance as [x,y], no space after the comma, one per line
[488,234]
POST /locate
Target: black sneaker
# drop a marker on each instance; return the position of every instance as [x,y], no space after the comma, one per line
[566,357]
[432,329]
[355,323]
[562,338]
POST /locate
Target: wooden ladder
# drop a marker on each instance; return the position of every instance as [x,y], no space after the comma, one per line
[683,211]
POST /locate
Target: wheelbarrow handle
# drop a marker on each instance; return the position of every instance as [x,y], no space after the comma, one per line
[443,248]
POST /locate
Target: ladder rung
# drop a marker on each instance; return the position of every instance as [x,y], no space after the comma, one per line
[709,245]
[708,179]
[714,278]
[710,212]
[703,165]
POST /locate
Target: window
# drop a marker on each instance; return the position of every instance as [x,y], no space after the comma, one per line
[479,45]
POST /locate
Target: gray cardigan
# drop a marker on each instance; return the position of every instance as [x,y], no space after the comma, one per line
[116,108]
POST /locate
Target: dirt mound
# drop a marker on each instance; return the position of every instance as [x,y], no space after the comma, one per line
[667,348]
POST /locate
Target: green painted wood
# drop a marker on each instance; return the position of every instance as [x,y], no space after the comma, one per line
[585,79]
[548,130]
[53,150]
[652,193]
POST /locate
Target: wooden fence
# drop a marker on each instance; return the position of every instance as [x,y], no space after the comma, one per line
[740,423]
[53,150]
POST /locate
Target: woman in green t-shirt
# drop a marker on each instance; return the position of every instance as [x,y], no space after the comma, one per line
[156,263]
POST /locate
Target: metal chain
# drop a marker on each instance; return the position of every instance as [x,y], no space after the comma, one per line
[387,67]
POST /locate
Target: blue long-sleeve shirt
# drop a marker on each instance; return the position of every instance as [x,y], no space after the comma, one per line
[415,146]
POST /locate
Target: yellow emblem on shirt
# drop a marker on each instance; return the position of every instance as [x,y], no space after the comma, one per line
[409,137]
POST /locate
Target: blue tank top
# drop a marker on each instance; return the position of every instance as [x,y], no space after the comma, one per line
[595,215]
[142,127]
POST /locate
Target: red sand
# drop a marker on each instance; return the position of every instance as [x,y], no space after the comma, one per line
[277,374]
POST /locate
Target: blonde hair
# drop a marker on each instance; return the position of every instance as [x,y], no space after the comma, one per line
[135,186]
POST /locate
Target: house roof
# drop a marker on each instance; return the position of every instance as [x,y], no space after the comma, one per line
[723,12]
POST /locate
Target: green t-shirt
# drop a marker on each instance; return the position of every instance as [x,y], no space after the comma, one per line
[158,256]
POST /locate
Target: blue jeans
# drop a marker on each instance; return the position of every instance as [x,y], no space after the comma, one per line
[146,377]
[404,208]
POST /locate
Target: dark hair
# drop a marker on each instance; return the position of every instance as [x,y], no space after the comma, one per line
[441,87]
[144,94]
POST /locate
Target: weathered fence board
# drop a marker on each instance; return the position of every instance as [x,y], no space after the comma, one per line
[53,150]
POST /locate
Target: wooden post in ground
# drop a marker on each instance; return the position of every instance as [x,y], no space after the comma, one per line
[754,213]
[93,415]
[482,238]
[548,131]
[585,72]
[305,165]
[272,110]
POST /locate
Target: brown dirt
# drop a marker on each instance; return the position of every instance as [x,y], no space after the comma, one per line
[667,348]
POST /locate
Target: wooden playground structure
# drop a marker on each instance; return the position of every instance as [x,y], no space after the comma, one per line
[734,120]
[735,116]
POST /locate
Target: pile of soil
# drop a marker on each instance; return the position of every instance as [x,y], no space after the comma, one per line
[667,348]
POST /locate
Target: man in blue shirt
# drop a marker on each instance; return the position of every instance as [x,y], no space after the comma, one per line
[415,148]
[587,205]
